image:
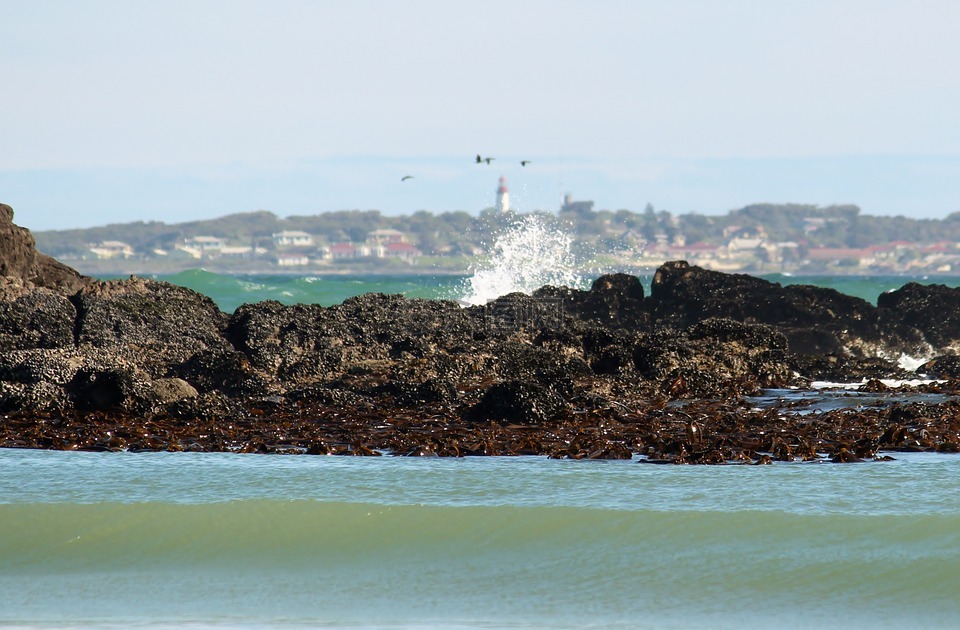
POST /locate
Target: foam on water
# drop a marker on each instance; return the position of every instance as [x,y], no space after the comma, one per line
[910,363]
[531,253]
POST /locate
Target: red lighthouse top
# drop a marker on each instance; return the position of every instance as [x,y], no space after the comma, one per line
[503,185]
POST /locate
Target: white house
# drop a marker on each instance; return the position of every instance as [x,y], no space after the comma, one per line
[111,249]
[385,237]
[292,260]
[292,238]
[340,251]
[242,252]
[204,243]
[404,251]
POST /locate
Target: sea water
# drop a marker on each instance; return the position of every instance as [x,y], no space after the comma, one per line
[234,540]
[230,291]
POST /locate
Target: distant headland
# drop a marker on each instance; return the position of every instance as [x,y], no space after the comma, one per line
[758,239]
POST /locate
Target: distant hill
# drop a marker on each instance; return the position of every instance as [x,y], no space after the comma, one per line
[452,239]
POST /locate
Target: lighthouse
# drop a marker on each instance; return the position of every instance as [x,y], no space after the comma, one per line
[503,196]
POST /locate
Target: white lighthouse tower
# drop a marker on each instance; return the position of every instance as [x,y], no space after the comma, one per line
[503,196]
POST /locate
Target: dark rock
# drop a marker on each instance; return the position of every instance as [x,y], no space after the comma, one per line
[813,342]
[103,389]
[42,366]
[946,366]
[934,310]
[34,317]
[330,397]
[151,324]
[304,344]
[614,360]
[614,300]
[287,340]
[209,406]
[517,312]
[814,319]
[407,394]
[42,396]
[840,368]
[164,391]
[518,402]
[43,320]
[716,358]
[19,259]
[224,370]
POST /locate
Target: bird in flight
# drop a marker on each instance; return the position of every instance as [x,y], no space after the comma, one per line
[484,159]
[406,177]
[524,162]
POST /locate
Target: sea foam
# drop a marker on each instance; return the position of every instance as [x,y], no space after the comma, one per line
[532,252]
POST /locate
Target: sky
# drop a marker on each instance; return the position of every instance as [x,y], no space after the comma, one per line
[114,111]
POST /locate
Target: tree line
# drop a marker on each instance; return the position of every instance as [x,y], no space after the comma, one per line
[459,232]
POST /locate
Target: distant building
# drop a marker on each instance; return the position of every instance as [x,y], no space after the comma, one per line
[292,238]
[182,252]
[739,245]
[503,196]
[111,249]
[204,243]
[242,252]
[292,260]
[342,251]
[385,237]
[404,251]
[578,207]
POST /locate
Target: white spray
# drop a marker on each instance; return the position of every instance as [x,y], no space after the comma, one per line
[531,253]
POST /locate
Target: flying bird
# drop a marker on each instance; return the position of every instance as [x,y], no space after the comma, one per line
[484,159]
[524,162]
[406,177]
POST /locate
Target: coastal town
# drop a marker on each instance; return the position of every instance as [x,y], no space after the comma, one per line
[762,238]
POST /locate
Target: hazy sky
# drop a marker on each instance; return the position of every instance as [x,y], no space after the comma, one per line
[115,111]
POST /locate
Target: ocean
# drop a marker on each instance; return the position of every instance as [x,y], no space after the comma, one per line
[221,540]
[231,540]
[230,291]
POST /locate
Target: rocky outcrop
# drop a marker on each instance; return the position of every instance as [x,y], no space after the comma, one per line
[142,348]
[614,300]
[815,320]
[34,317]
[21,261]
[154,325]
[933,310]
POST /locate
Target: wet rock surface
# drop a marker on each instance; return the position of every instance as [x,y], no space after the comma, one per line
[610,372]
[933,310]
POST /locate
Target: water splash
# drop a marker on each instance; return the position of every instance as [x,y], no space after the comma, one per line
[530,253]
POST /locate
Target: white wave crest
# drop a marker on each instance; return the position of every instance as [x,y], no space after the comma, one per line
[531,253]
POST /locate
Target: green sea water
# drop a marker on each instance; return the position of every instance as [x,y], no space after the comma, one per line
[229,291]
[231,540]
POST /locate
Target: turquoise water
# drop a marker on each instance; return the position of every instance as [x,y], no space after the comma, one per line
[229,292]
[229,540]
